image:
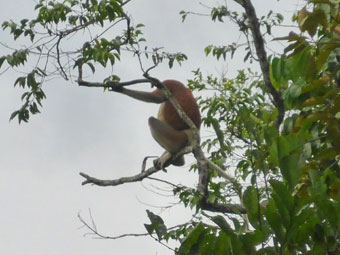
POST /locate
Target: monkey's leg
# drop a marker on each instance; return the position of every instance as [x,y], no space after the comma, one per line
[170,139]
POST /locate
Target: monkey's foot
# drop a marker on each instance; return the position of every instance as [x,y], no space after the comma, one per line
[158,164]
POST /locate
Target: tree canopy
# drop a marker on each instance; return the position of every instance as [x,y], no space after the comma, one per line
[277,130]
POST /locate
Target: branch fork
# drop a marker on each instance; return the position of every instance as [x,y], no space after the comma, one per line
[202,162]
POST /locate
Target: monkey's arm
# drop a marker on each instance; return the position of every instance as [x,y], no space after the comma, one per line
[150,97]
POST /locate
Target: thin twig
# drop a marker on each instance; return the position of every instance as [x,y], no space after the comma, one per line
[93,228]
[164,181]
[58,57]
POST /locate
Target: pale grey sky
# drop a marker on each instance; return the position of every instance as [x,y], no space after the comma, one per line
[102,134]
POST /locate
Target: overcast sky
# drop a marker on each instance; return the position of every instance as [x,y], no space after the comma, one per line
[102,134]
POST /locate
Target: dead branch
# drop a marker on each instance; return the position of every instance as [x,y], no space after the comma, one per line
[134,178]
[116,182]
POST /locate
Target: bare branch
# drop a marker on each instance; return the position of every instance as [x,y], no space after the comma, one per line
[221,172]
[116,182]
[110,84]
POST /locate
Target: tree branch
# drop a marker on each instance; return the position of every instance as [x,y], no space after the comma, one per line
[94,230]
[223,208]
[116,182]
[262,57]
[58,57]
[202,162]
[111,84]
[157,83]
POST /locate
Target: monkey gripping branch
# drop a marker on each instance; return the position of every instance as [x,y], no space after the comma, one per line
[163,94]
[203,163]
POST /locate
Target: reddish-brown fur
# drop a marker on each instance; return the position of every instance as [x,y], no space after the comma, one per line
[187,101]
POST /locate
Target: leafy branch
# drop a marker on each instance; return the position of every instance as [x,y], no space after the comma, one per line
[277,99]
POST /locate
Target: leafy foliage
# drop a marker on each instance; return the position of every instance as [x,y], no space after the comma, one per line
[293,198]
[157,225]
[58,21]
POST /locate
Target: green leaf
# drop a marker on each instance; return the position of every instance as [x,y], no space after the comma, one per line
[2,59]
[270,134]
[294,91]
[274,153]
[250,240]
[208,49]
[192,240]
[337,115]
[284,148]
[157,225]
[274,219]
[275,72]
[23,114]
[289,124]
[140,25]
[267,251]
[223,224]
[313,20]
[26,95]
[31,82]
[94,2]
[325,50]
[250,201]
[33,108]
[93,69]
[207,244]
[13,115]
[21,81]
[171,62]
[222,245]
[117,8]
[303,64]
[291,169]
[283,194]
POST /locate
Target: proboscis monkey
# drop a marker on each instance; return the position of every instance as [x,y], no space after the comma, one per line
[168,129]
